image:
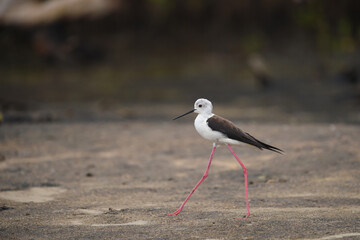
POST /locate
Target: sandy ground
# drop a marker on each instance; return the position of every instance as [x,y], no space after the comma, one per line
[120,179]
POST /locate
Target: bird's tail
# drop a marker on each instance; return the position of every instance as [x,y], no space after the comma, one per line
[271,148]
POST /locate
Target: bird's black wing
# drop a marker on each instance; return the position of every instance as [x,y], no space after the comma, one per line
[228,128]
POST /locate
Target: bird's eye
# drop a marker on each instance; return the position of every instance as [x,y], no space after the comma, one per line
[200,105]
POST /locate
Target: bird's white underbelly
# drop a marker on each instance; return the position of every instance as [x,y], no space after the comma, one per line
[206,132]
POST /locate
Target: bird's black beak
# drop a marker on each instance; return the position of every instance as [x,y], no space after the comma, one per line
[184,114]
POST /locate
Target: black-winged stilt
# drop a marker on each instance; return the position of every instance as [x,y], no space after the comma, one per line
[221,132]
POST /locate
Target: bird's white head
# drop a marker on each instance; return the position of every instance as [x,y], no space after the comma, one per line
[203,106]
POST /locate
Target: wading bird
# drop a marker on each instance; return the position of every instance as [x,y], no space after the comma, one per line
[221,132]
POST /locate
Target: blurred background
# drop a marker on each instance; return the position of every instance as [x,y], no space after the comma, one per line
[256,60]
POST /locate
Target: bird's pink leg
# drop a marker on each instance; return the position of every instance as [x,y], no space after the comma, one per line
[245,177]
[197,185]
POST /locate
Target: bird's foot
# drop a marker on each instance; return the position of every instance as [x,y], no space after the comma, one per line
[244,217]
[176,212]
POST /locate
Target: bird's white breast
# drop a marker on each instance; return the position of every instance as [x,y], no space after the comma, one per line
[205,131]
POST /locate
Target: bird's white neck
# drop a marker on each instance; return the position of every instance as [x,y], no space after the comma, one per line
[205,115]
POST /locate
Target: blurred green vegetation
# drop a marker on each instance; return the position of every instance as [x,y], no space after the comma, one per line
[332,31]
[159,50]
